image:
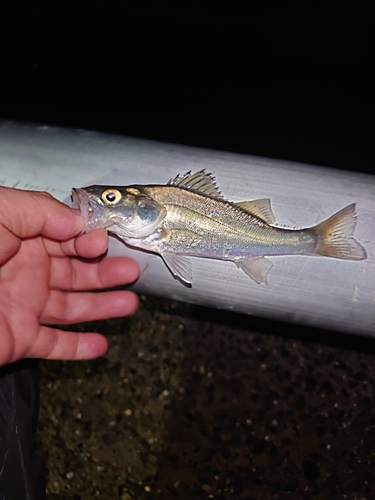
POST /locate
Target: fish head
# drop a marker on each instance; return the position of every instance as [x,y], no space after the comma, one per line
[126,211]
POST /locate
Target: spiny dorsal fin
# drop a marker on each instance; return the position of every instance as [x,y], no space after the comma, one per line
[199,182]
[259,208]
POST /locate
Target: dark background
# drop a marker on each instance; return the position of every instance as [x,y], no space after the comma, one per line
[289,80]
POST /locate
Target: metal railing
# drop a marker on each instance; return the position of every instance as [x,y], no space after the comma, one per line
[321,292]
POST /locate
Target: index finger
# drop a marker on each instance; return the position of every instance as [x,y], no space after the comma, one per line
[89,245]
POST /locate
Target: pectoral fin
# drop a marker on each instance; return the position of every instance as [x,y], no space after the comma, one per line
[180,267]
[257,268]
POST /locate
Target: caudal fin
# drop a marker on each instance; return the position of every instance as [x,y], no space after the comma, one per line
[335,236]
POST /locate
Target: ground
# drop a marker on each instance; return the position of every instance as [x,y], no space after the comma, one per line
[192,403]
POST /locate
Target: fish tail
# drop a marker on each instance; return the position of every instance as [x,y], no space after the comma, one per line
[335,236]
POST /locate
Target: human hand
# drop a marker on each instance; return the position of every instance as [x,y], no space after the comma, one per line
[46,271]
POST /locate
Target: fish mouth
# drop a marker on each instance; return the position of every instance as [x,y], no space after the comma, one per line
[89,211]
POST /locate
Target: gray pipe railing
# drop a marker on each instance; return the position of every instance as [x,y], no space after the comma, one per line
[314,291]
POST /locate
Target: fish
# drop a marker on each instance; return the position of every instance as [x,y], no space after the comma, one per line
[190,217]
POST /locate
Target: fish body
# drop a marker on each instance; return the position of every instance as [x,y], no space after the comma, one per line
[190,217]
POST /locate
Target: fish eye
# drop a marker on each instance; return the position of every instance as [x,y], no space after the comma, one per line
[111,196]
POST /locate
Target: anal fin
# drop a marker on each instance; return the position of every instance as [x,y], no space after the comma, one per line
[256,268]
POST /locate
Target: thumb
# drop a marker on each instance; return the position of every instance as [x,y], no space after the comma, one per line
[26,214]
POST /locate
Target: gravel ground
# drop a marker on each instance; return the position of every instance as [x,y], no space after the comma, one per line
[193,403]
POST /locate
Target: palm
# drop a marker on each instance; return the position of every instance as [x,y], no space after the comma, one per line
[45,283]
[24,284]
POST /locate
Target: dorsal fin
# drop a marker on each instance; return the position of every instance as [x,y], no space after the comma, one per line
[199,182]
[259,208]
